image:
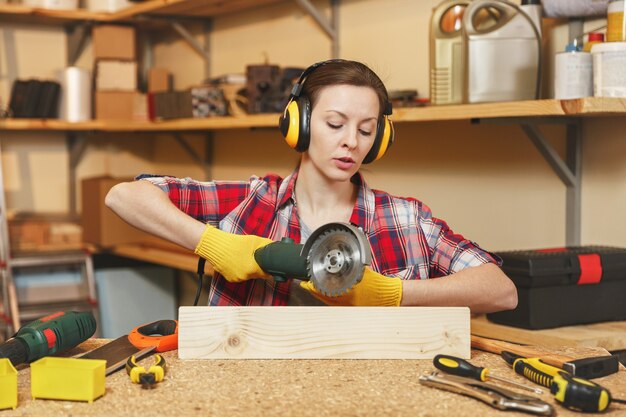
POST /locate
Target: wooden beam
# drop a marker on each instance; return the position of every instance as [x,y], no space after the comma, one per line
[323,332]
[608,335]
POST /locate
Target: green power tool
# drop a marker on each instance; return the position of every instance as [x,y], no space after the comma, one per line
[333,258]
[48,335]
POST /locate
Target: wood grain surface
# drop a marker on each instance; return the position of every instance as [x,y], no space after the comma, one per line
[607,335]
[322,332]
[316,388]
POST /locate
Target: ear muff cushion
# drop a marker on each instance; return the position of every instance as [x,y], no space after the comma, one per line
[382,142]
[290,124]
[304,134]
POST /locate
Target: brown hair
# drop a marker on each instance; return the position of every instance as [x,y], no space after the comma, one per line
[339,71]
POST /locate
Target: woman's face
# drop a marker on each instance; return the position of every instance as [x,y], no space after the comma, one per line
[343,128]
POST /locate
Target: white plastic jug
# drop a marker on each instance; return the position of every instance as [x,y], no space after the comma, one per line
[502,56]
[446,52]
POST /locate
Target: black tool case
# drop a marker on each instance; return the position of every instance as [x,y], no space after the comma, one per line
[565,286]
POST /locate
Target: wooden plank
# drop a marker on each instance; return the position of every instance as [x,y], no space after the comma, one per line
[177,125]
[17,13]
[172,257]
[322,332]
[207,8]
[166,8]
[532,108]
[539,108]
[609,335]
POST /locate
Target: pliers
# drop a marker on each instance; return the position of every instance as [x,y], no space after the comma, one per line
[500,398]
[149,378]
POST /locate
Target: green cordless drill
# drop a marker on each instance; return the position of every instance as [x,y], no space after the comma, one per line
[48,335]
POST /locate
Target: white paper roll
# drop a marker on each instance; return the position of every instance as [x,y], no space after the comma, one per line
[574,8]
[75,103]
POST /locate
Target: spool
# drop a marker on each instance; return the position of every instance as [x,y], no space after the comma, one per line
[75,103]
[609,69]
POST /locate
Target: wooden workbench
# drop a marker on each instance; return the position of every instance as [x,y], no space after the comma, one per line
[286,388]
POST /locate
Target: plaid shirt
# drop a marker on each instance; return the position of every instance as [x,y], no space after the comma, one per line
[406,241]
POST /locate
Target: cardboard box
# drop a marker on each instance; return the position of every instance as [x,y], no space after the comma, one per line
[115,105]
[114,42]
[110,6]
[159,80]
[115,74]
[140,110]
[43,233]
[101,226]
[28,233]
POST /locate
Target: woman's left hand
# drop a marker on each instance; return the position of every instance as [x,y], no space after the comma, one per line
[373,290]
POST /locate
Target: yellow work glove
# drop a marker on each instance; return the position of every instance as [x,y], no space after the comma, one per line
[373,290]
[232,255]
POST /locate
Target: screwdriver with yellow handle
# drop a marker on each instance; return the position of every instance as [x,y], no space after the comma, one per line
[572,392]
[461,367]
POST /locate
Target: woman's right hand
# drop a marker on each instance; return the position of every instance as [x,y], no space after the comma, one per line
[232,255]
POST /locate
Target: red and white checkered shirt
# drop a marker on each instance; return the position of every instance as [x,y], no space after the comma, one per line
[405,239]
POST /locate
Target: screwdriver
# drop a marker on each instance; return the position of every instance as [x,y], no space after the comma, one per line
[461,367]
[573,392]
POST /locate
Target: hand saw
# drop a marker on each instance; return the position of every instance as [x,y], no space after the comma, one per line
[159,336]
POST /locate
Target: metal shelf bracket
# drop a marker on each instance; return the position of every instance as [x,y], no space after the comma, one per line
[329,26]
[569,170]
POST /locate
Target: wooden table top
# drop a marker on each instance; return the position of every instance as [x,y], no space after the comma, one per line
[287,388]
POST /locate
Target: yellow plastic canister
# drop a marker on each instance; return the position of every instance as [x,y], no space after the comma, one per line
[615,21]
[67,378]
[8,384]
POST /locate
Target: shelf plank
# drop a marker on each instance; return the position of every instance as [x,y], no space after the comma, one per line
[532,108]
[16,13]
[176,125]
[165,8]
[540,108]
[173,257]
[208,8]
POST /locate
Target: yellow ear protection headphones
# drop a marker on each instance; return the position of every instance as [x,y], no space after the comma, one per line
[295,122]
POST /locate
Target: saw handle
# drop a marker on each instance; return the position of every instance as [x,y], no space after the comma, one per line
[282,260]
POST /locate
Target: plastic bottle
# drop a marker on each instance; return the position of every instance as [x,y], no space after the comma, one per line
[615,21]
[573,74]
[533,9]
[592,39]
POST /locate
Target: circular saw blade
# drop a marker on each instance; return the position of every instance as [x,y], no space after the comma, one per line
[334,261]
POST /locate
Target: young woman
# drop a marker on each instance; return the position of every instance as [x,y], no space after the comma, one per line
[338,118]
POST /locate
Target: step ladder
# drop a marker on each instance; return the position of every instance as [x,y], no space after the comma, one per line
[13,311]
[9,316]
[52,297]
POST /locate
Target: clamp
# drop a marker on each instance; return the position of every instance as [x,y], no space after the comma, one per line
[149,378]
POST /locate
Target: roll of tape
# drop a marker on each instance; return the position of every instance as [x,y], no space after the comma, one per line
[75,94]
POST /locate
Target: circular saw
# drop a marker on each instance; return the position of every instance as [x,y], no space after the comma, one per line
[333,258]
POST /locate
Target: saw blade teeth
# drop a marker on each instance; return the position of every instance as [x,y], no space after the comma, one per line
[333,261]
